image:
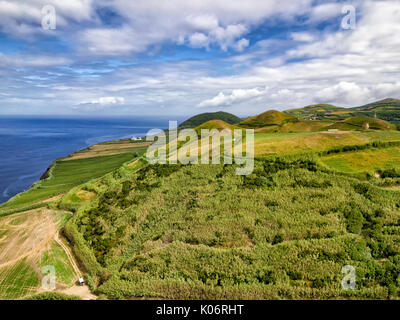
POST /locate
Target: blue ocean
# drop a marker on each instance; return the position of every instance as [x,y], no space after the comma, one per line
[29,145]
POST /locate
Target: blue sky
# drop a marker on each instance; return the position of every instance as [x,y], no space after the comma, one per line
[153,57]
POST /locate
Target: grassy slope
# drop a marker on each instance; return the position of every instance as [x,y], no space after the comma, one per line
[356,123]
[22,278]
[203,232]
[214,124]
[268,118]
[287,143]
[64,176]
[365,160]
[57,257]
[316,110]
[387,109]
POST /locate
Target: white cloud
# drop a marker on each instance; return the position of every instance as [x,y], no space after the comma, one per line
[23,61]
[387,89]
[237,95]
[111,42]
[204,22]
[226,37]
[199,40]
[325,11]
[343,67]
[23,18]
[198,23]
[347,92]
[241,44]
[104,102]
[302,36]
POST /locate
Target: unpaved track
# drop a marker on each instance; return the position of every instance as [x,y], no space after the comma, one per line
[69,255]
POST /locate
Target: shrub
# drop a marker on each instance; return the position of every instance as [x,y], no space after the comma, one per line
[53,296]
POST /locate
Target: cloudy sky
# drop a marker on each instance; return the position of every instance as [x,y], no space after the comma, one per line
[181,57]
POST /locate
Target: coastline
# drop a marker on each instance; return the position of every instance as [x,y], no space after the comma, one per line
[112,153]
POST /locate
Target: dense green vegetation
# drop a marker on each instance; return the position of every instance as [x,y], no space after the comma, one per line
[204,117]
[285,231]
[53,296]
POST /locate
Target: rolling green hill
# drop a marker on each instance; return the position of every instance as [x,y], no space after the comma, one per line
[387,109]
[267,119]
[358,123]
[214,124]
[315,112]
[199,119]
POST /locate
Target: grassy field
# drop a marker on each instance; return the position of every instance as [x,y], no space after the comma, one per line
[56,256]
[288,143]
[18,281]
[366,160]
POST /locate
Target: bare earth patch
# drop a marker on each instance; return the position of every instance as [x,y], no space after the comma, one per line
[29,235]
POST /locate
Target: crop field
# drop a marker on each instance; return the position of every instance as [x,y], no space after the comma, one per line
[28,245]
[65,174]
[287,143]
[18,281]
[366,160]
[56,256]
[110,148]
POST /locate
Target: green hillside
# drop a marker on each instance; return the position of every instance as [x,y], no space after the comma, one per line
[358,123]
[268,118]
[315,112]
[202,232]
[199,119]
[387,109]
[214,124]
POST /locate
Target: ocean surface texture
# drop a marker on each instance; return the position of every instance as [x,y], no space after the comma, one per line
[29,145]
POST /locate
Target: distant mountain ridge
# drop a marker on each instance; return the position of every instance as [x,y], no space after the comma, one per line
[386,109]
